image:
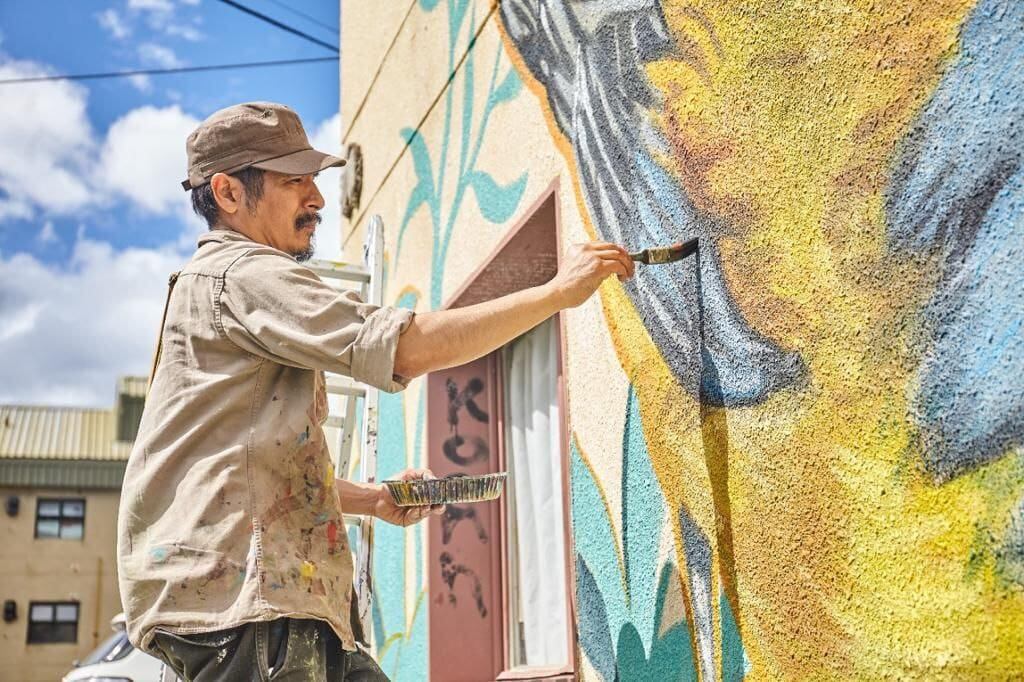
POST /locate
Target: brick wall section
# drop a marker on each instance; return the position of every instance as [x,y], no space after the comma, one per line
[528,259]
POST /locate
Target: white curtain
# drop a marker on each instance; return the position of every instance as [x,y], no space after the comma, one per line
[537,540]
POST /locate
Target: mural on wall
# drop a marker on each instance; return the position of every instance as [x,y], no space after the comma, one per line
[400,632]
[833,390]
[626,625]
[400,637]
[496,202]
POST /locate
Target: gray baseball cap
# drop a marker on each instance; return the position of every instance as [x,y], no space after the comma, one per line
[254,134]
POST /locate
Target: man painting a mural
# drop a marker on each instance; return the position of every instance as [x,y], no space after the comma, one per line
[233,562]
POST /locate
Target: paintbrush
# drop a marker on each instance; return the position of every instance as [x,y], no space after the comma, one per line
[665,254]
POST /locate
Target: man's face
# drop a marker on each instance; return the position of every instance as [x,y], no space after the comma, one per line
[288,212]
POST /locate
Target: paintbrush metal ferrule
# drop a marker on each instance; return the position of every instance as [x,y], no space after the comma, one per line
[665,254]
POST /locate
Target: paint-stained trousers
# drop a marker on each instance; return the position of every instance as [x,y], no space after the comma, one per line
[282,650]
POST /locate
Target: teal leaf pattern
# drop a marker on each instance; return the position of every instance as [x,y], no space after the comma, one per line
[621,612]
[510,86]
[432,165]
[423,192]
[497,202]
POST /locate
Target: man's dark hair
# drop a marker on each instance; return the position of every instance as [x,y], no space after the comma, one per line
[205,205]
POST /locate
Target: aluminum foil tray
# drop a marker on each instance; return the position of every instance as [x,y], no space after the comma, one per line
[447,490]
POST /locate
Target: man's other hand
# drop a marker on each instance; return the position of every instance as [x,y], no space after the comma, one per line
[386,509]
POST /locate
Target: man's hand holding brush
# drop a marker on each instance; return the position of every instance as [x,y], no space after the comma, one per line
[583,269]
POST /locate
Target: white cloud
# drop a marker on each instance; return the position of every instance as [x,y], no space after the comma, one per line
[55,164]
[48,235]
[113,23]
[158,14]
[162,56]
[75,329]
[140,82]
[46,143]
[144,159]
[151,5]
[20,321]
[186,31]
[327,138]
[14,208]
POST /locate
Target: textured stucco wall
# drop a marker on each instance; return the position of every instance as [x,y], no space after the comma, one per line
[798,455]
[830,396]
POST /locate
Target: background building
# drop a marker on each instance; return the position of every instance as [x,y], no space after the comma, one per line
[796,455]
[60,479]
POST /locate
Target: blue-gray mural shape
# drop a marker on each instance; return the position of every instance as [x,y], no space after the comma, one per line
[956,196]
[590,58]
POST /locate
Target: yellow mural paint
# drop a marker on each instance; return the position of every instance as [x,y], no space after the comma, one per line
[307,570]
[826,479]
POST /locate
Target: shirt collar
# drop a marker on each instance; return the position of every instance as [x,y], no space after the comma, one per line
[221,235]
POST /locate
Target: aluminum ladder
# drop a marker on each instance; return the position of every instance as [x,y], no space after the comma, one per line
[343,397]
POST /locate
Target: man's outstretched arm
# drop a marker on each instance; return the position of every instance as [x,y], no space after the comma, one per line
[446,338]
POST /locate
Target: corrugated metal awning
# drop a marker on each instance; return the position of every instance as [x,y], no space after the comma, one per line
[57,433]
[54,473]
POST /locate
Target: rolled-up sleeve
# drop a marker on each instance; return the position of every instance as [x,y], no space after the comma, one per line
[276,308]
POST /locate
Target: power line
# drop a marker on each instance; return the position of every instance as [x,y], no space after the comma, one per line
[332,29]
[154,72]
[284,27]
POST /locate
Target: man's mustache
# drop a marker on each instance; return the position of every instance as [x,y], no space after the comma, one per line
[307,219]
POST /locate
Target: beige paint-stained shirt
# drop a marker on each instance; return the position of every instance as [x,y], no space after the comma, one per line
[229,510]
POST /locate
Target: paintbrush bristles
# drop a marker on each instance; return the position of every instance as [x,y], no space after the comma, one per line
[665,254]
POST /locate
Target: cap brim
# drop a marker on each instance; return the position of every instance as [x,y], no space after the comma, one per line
[305,162]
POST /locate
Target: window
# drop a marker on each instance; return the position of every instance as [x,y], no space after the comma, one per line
[52,622]
[60,518]
[537,627]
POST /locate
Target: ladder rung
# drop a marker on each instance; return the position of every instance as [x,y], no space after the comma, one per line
[342,386]
[338,270]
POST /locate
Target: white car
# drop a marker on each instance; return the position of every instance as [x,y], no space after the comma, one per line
[116,660]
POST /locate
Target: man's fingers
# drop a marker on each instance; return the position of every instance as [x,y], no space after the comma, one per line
[612,266]
[619,255]
[414,474]
[415,515]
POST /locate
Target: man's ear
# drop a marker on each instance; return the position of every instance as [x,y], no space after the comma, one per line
[227,192]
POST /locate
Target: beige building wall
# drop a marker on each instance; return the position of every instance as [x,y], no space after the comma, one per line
[426,94]
[53,569]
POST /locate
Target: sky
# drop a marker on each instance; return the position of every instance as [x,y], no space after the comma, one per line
[92,215]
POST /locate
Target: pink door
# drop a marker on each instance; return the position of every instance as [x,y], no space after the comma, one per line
[464,544]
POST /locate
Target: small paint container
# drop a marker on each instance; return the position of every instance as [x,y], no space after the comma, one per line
[454,489]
